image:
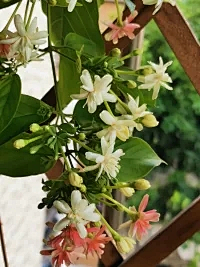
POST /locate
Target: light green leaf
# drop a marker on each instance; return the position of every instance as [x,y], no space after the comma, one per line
[138,161]
[19,162]
[10,90]
[30,110]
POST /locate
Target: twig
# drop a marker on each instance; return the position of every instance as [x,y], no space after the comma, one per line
[3,246]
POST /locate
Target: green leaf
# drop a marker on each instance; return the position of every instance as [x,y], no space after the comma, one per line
[86,119]
[30,110]
[10,90]
[84,22]
[7,3]
[19,162]
[138,161]
[130,5]
[78,42]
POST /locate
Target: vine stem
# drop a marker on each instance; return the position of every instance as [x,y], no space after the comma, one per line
[12,16]
[26,11]
[64,157]
[108,108]
[119,16]
[59,106]
[120,101]
[3,246]
[30,14]
[83,145]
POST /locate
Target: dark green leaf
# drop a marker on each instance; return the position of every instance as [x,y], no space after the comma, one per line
[19,162]
[10,90]
[30,110]
[7,3]
[138,161]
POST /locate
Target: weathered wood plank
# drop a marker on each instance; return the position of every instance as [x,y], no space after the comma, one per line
[168,239]
[181,40]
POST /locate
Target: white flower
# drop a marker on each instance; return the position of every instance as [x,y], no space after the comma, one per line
[136,111]
[157,79]
[23,41]
[97,92]
[118,127]
[107,162]
[79,214]
[72,4]
[158,3]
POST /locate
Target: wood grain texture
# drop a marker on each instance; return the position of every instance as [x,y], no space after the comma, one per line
[181,40]
[167,240]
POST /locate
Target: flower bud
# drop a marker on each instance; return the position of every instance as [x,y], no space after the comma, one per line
[35,149]
[127,191]
[131,84]
[83,188]
[20,143]
[115,52]
[149,120]
[141,184]
[125,245]
[75,179]
[81,136]
[34,127]
[147,71]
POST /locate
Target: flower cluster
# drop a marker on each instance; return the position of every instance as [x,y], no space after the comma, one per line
[96,142]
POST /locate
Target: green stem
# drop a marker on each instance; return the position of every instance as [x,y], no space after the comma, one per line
[120,101]
[26,11]
[119,15]
[64,157]
[30,14]
[58,106]
[117,186]
[83,145]
[64,55]
[115,235]
[108,108]
[12,16]
[119,205]
[127,72]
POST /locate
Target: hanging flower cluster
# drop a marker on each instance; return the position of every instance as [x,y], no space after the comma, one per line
[96,141]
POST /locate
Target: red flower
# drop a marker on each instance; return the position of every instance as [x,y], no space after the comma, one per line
[96,240]
[4,50]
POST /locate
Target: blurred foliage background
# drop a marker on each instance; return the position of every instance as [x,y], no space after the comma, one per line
[177,137]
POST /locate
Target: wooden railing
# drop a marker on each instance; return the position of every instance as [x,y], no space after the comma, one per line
[187,50]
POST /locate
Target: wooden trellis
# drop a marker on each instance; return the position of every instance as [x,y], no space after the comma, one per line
[187,50]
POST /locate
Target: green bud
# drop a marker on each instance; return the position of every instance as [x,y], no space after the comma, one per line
[20,143]
[75,179]
[147,71]
[98,224]
[136,52]
[35,149]
[131,84]
[34,127]
[115,52]
[149,120]
[81,136]
[105,64]
[83,188]
[141,184]
[125,245]
[103,190]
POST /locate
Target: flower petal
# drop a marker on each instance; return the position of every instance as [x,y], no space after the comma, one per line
[75,199]
[62,206]
[61,224]
[143,203]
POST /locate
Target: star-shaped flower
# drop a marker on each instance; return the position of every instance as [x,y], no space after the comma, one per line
[118,127]
[139,227]
[95,93]
[23,41]
[108,161]
[157,79]
[126,29]
[79,214]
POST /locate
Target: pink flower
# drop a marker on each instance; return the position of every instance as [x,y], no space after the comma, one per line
[139,227]
[4,50]
[126,29]
[96,240]
[66,247]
